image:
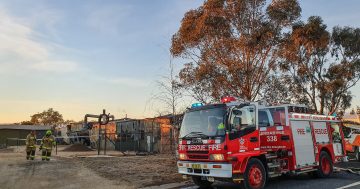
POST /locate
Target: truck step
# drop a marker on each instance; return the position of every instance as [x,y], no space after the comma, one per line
[304,171]
[273,174]
[271,156]
[272,165]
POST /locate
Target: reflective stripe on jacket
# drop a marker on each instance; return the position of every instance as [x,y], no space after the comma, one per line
[48,142]
[30,140]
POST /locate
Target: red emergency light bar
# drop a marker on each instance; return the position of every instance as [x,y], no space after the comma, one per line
[227,99]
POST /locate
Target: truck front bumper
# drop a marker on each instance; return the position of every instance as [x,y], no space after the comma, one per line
[207,169]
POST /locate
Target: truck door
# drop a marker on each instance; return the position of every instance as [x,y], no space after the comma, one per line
[303,143]
[243,133]
[274,134]
[336,139]
[321,132]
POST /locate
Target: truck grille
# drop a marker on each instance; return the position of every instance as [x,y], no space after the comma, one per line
[197,152]
[198,156]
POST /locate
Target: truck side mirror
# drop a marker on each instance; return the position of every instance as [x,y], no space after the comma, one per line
[237,112]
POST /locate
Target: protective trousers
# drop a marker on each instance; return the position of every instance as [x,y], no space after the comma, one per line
[46,154]
[30,152]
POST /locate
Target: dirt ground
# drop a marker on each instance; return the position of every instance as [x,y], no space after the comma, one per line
[138,171]
[85,170]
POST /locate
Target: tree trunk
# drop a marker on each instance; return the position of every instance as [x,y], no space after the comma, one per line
[322,103]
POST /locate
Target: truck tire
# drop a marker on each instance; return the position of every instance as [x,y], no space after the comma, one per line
[255,175]
[201,183]
[325,168]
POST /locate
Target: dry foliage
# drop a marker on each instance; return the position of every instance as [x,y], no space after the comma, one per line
[233,45]
[254,49]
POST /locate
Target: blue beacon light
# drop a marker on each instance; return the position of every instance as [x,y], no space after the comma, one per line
[196,105]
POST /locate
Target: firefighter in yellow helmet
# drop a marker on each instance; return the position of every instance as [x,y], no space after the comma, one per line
[47,143]
[30,145]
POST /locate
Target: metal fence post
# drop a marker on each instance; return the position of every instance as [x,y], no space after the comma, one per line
[138,142]
[105,137]
[99,140]
[120,142]
[152,137]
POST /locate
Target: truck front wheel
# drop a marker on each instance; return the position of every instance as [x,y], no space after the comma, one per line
[201,183]
[255,175]
[325,165]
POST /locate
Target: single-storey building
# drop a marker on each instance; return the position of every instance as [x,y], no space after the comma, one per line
[9,133]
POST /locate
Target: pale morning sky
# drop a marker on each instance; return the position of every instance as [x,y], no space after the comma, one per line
[79,56]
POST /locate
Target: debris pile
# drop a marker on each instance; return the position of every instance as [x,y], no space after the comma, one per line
[77,148]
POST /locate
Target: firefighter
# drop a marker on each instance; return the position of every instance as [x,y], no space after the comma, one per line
[47,143]
[30,145]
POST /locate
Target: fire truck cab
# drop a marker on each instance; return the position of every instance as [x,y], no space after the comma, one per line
[249,142]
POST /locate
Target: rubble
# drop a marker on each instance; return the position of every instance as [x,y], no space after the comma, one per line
[77,148]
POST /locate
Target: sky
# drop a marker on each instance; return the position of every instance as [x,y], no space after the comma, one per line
[80,57]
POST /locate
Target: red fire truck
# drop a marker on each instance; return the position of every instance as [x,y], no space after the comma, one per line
[249,142]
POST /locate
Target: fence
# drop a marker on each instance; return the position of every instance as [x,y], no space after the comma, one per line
[130,141]
[149,135]
[146,135]
[18,142]
[135,141]
[21,142]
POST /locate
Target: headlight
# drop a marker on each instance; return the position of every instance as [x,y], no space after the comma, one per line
[217,157]
[182,156]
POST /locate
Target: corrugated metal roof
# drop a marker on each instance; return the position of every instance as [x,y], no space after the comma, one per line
[25,127]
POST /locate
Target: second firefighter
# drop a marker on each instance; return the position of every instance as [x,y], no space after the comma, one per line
[47,143]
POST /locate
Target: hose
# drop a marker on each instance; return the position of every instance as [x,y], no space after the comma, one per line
[353,170]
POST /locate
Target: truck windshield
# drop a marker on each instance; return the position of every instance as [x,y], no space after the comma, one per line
[203,123]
